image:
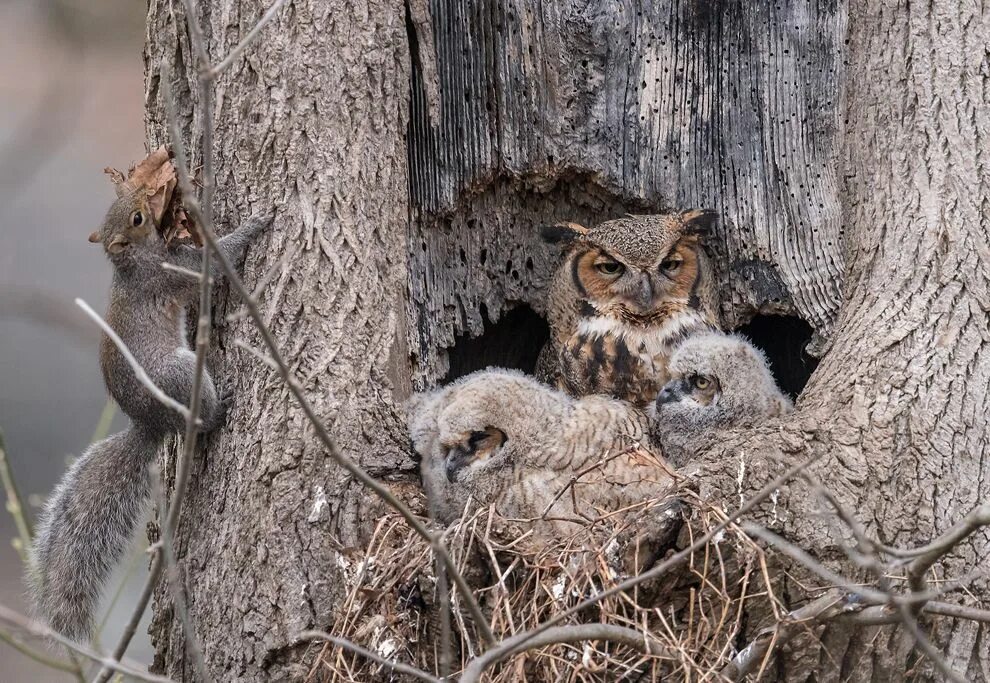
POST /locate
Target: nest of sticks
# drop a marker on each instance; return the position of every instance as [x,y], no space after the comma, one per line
[394,603]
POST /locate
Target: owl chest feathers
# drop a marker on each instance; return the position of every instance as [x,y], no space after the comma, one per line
[612,356]
[649,344]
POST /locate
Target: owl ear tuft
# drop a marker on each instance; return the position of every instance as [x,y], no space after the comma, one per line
[699,221]
[562,233]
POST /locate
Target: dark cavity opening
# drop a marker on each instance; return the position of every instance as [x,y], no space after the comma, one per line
[783,339]
[513,342]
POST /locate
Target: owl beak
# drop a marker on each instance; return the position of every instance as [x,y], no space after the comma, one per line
[456,461]
[644,294]
[669,394]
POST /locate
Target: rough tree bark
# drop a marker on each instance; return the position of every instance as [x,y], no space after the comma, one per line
[841,144]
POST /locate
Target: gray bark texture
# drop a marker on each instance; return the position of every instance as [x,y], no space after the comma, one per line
[413,151]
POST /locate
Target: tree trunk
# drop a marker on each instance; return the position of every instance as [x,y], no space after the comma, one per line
[413,152]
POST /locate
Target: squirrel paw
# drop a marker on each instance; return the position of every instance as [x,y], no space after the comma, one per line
[209,422]
[259,222]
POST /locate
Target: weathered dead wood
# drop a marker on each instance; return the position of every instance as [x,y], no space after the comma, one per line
[584,111]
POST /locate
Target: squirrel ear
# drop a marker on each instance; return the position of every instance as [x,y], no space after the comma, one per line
[698,221]
[94,236]
[562,233]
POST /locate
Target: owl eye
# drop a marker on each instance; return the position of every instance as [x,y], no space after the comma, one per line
[475,439]
[670,265]
[701,382]
[610,267]
[137,219]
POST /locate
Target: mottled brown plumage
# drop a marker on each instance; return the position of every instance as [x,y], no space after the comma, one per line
[500,437]
[626,293]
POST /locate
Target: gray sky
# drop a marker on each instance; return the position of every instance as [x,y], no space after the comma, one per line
[71,103]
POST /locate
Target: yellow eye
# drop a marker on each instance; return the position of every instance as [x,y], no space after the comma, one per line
[701,382]
[137,219]
[670,265]
[609,267]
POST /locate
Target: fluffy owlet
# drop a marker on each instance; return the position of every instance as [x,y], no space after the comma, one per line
[500,437]
[626,294]
[716,381]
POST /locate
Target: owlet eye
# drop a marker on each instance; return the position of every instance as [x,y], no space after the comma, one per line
[137,219]
[609,267]
[701,382]
[475,439]
[670,265]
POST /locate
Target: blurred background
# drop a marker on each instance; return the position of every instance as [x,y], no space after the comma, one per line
[71,103]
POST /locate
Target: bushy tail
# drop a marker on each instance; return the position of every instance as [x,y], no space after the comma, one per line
[87,526]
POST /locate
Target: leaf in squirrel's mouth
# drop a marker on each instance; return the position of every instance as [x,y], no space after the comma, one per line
[155,175]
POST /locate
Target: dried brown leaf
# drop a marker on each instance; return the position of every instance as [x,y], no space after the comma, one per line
[155,175]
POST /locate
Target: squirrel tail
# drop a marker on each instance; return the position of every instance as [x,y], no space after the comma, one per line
[87,526]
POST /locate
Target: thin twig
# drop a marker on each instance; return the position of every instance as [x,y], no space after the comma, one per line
[37,655]
[25,534]
[166,552]
[395,666]
[25,625]
[930,554]
[103,424]
[931,652]
[139,372]
[867,593]
[574,633]
[506,647]
[169,520]
[137,613]
[14,505]
[265,280]
[248,39]
[191,274]
[320,427]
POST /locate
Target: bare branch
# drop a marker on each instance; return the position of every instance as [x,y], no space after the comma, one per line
[931,553]
[196,37]
[828,606]
[248,39]
[37,655]
[132,624]
[139,372]
[165,551]
[564,634]
[889,607]
[191,274]
[14,505]
[398,667]
[265,280]
[934,656]
[182,466]
[202,213]
[25,625]
[320,427]
[511,644]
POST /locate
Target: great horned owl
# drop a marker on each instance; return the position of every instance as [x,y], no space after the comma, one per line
[498,436]
[716,380]
[627,292]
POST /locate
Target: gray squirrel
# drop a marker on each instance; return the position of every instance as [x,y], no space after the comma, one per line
[89,519]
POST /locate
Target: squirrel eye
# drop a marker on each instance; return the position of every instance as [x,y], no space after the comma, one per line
[609,267]
[700,382]
[137,219]
[670,265]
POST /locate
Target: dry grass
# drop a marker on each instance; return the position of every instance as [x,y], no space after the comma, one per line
[696,612]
